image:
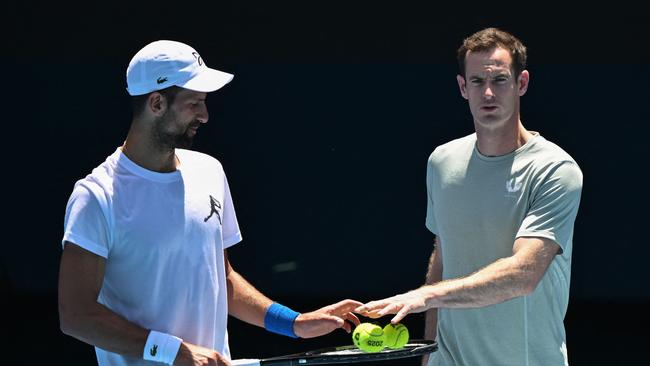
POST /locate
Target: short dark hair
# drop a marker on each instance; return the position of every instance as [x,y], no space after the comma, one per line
[138,102]
[490,38]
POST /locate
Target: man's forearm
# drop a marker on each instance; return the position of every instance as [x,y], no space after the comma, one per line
[101,327]
[507,278]
[434,275]
[107,330]
[498,282]
[502,280]
[245,302]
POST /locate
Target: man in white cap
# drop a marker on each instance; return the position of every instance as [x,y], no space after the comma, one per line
[144,274]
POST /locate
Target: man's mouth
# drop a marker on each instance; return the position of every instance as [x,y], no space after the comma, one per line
[489,108]
[192,130]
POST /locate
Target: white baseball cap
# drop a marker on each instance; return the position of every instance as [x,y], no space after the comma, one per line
[161,64]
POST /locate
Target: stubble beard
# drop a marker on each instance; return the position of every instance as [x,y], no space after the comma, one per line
[166,140]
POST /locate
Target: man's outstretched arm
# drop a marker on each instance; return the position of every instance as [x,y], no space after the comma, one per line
[246,303]
[504,279]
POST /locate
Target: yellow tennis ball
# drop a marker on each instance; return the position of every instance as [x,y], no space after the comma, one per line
[397,335]
[368,337]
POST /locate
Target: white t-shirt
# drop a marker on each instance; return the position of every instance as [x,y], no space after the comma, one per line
[163,237]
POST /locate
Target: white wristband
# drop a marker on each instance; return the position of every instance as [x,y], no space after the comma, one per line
[161,347]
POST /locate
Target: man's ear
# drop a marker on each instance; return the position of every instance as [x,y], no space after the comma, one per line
[156,104]
[522,82]
[462,86]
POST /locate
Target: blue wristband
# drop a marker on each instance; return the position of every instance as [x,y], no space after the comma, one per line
[279,319]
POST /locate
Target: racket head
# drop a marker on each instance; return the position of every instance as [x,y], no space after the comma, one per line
[351,354]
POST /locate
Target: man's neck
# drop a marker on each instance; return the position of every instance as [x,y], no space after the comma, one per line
[139,148]
[503,140]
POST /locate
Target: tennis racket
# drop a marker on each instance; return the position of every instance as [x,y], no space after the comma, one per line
[343,355]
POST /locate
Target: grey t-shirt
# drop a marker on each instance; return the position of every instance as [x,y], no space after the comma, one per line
[478,206]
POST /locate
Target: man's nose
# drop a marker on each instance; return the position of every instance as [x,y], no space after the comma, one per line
[488,92]
[203,115]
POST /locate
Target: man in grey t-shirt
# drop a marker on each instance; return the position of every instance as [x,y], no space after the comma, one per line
[502,203]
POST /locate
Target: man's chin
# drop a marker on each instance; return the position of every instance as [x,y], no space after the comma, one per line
[184,142]
[490,122]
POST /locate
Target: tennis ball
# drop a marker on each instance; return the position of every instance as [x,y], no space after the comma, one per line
[397,335]
[368,337]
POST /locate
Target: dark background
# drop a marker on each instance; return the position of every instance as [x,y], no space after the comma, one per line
[324,134]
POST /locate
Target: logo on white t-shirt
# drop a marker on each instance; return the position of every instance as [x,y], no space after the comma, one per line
[153,350]
[215,206]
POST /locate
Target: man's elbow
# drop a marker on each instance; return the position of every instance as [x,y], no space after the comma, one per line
[69,320]
[65,321]
[529,285]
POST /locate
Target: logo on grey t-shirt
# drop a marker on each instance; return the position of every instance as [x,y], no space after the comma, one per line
[513,186]
[215,206]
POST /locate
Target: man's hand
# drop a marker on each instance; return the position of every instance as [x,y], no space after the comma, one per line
[193,355]
[409,302]
[327,319]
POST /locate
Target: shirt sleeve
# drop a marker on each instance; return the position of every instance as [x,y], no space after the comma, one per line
[430,221]
[230,229]
[85,222]
[555,205]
